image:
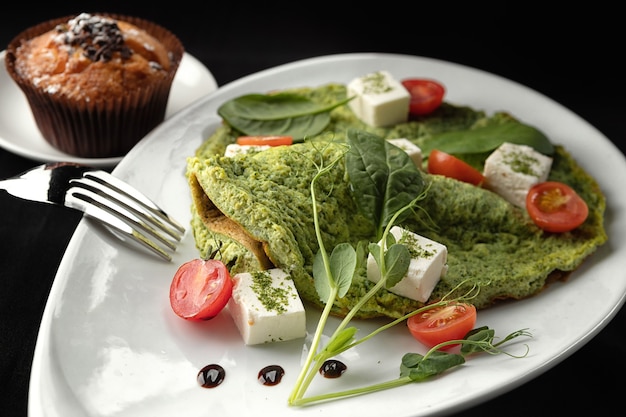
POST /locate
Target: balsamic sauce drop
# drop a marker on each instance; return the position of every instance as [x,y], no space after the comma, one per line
[332,368]
[211,376]
[271,375]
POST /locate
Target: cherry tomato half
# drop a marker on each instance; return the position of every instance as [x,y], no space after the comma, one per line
[556,207]
[265,140]
[426,95]
[442,163]
[200,289]
[443,323]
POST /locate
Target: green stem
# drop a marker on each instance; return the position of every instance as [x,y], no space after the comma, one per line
[356,391]
[306,373]
[387,326]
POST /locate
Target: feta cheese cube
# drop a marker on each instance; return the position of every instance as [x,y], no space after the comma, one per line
[428,264]
[379,100]
[512,169]
[266,307]
[234,149]
[414,151]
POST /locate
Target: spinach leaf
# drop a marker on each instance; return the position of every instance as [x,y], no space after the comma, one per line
[384,177]
[488,138]
[296,127]
[277,114]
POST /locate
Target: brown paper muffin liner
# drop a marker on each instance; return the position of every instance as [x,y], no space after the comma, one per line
[101,128]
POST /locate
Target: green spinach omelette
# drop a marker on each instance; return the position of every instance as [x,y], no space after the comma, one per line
[253,211]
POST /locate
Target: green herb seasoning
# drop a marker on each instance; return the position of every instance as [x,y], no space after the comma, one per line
[273,298]
[376,83]
[522,163]
[415,249]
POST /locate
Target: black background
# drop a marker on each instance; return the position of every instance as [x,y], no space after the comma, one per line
[572,56]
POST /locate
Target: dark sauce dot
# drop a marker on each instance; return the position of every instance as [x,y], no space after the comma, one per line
[211,376]
[271,375]
[332,368]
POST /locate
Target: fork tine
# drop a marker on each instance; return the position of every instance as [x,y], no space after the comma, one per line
[142,214]
[131,193]
[95,206]
[112,206]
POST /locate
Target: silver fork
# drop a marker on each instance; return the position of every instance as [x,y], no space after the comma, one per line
[101,196]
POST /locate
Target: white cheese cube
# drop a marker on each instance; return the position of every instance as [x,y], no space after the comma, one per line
[234,149]
[512,169]
[428,264]
[379,100]
[266,307]
[414,151]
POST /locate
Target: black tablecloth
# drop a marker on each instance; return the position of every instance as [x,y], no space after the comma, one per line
[557,56]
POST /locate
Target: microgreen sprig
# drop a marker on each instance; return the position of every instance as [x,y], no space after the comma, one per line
[333,276]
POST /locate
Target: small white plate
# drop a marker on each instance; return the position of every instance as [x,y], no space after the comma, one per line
[19,133]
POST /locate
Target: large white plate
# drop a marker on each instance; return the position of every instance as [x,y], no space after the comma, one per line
[109,344]
[19,133]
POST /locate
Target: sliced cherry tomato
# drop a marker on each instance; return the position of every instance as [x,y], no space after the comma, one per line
[426,95]
[265,140]
[556,207]
[200,289]
[443,323]
[442,163]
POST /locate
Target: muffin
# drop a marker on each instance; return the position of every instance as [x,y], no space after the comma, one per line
[96,83]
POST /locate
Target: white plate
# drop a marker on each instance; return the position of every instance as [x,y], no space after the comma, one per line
[19,133]
[109,344]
